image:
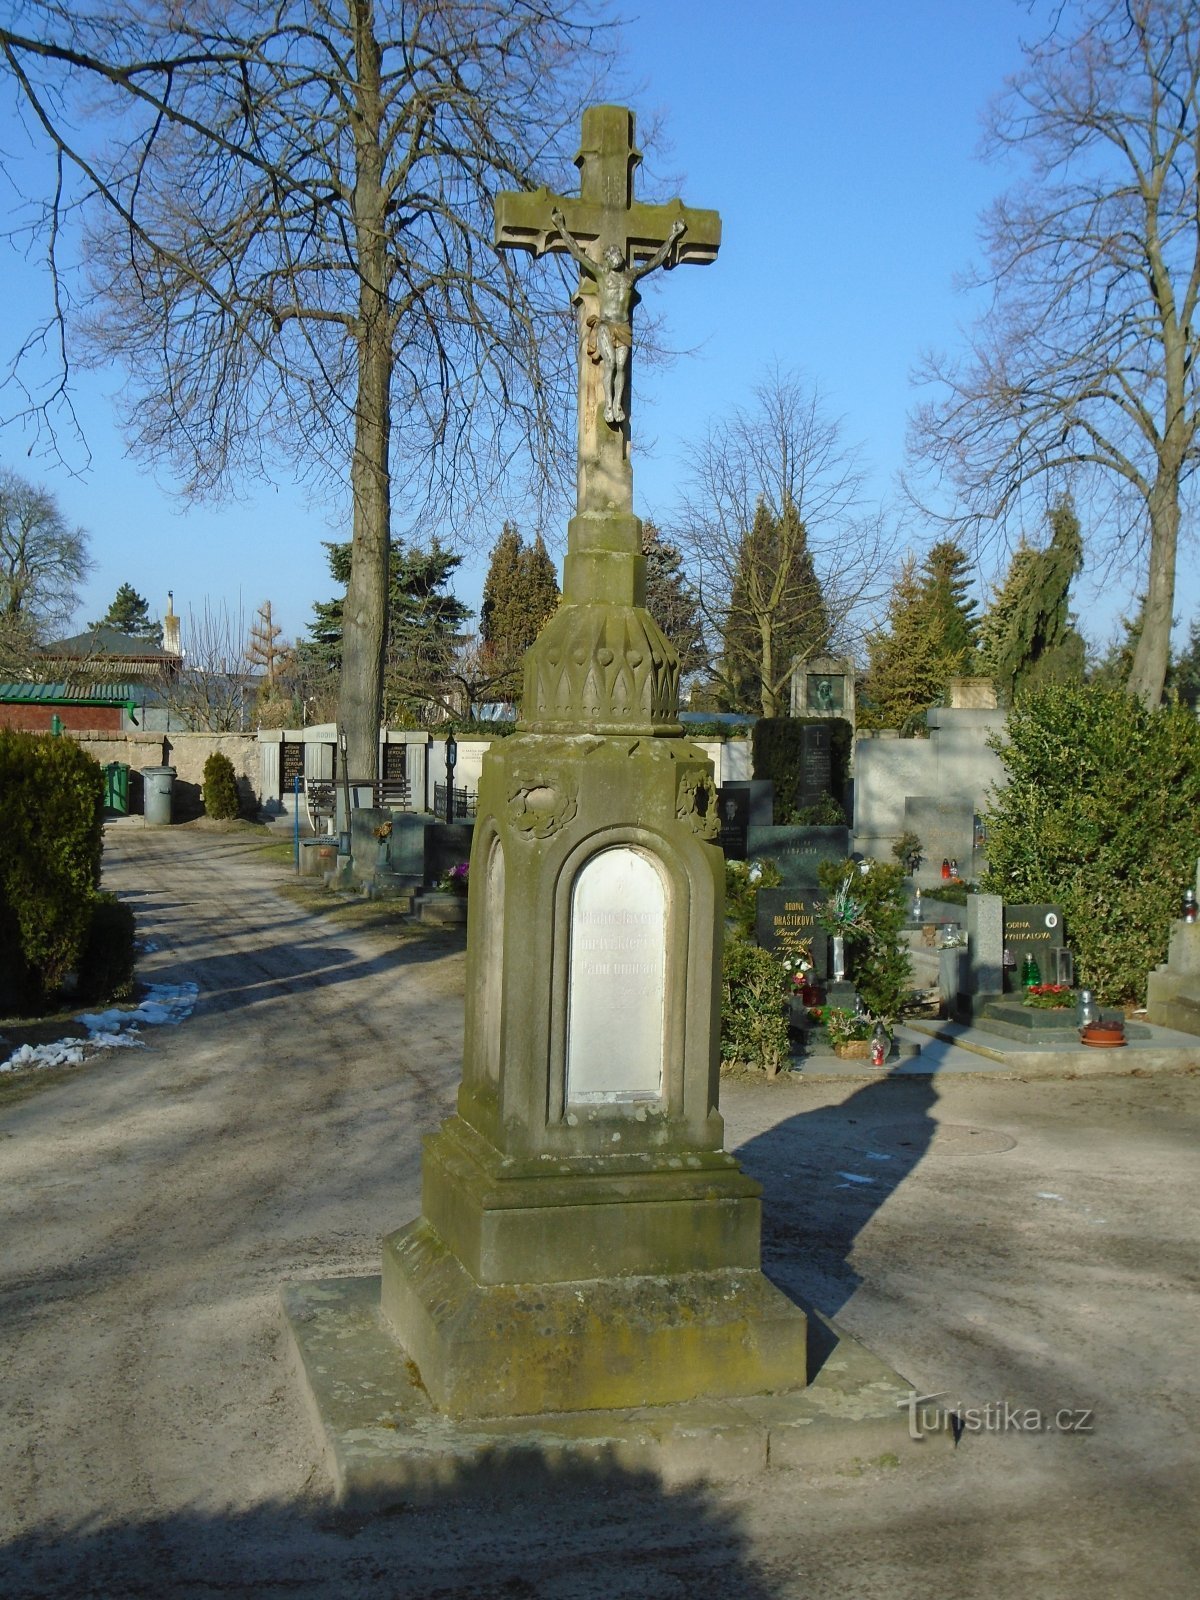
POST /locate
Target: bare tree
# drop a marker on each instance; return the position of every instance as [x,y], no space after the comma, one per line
[290,245]
[214,688]
[42,562]
[780,462]
[1082,374]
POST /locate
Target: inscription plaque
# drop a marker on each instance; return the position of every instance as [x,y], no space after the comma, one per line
[617,979]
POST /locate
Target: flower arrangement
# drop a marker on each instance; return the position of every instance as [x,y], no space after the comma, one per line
[845,1027]
[842,912]
[1050,996]
[384,831]
[455,879]
[795,957]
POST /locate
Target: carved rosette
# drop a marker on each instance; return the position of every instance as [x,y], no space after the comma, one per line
[607,668]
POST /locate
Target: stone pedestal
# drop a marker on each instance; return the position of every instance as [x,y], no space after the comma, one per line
[585,1242]
[1173,989]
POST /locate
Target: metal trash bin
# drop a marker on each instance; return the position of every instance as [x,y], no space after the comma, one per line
[116,788]
[158,789]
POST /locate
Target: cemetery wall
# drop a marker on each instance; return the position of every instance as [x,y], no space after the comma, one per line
[954,761]
[187,753]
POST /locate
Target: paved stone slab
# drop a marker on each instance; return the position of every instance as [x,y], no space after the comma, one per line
[958,1048]
[385,1444]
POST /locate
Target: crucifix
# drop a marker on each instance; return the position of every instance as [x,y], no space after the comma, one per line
[616,240]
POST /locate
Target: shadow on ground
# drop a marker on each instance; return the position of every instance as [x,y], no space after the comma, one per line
[583,1531]
[826,1172]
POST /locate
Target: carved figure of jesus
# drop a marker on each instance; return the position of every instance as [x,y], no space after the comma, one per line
[610,331]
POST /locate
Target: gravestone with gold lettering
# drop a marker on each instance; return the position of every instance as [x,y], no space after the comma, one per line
[585,1241]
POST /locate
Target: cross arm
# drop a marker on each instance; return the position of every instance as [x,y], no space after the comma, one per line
[524,222]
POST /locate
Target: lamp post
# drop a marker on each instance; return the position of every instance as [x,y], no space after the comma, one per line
[451,760]
[344,833]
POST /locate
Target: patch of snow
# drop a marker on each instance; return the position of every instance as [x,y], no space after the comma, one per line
[855,1177]
[165,1004]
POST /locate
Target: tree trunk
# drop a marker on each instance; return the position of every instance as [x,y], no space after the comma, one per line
[767,668]
[364,629]
[1152,655]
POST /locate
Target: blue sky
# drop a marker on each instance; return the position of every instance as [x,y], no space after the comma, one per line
[838,142]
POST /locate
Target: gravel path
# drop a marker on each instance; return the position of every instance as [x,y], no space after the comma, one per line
[1030,1243]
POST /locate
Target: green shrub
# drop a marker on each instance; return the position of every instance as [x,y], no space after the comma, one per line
[825,814]
[1099,817]
[106,965]
[221,799]
[878,963]
[51,813]
[754,1022]
[743,880]
[778,755]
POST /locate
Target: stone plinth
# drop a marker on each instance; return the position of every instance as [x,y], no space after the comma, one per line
[585,1242]
[1173,989]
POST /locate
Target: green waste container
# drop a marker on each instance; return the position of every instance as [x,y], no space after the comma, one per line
[116,788]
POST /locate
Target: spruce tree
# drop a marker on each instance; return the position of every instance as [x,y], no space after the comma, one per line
[129,613]
[1026,637]
[423,628]
[946,585]
[906,670]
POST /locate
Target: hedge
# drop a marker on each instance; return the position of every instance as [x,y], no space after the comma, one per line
[51,822]
[1099,816]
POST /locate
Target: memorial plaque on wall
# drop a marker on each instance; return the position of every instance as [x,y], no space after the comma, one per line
[733,811]
[291,766]
[786,918]
[815,769]
[1032,928]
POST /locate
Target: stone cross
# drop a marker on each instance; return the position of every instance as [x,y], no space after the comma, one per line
[616,240]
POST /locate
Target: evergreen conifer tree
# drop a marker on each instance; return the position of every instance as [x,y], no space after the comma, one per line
[905,670]
[1185,673]
[1026,637]
[930,638]
[424,619]
[946,585]
[672,601]
[129,613]
[520,594]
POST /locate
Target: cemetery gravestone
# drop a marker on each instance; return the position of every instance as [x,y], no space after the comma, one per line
[787,918]
[761,799]
[946,829]
[799,851]
[733,810]
[816,772]
[1033,930]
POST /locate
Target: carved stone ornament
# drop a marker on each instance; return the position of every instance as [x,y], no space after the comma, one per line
[605,667]
[539,810]
[696,804]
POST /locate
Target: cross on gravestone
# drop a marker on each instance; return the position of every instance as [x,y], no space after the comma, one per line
[615,239]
